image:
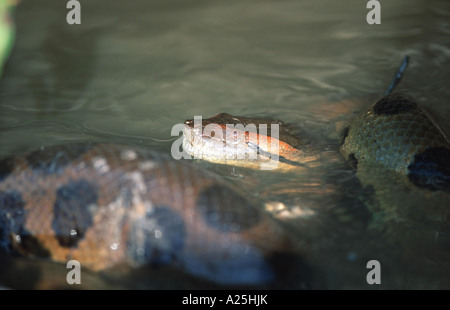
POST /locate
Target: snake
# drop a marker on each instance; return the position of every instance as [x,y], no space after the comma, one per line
[120,208]
[109,205]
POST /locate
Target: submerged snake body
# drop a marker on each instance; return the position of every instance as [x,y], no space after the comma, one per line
[402,157]
[110,205]
[396,134]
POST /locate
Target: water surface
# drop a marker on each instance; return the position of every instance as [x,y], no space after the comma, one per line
[132,70]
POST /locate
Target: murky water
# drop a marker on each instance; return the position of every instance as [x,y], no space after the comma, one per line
[133,70]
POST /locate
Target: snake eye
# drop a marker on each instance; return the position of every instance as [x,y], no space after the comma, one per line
[213,134]
[235,134]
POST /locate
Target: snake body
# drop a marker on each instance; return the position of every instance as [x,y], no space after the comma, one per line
[402,156]
[396,134]
[111,205]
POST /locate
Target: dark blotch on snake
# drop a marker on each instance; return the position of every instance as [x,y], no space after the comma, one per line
[158,239]
[227,211]
[12,223]
[394,104]
[431,169]
[72,215]
[12,217]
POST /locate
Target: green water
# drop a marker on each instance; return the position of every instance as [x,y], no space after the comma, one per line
[132,70]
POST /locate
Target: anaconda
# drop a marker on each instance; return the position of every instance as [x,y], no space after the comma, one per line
[108,206]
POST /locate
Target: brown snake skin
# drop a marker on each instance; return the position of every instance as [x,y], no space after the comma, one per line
[109,205]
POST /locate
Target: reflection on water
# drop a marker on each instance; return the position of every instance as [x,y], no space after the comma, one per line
[131,71]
